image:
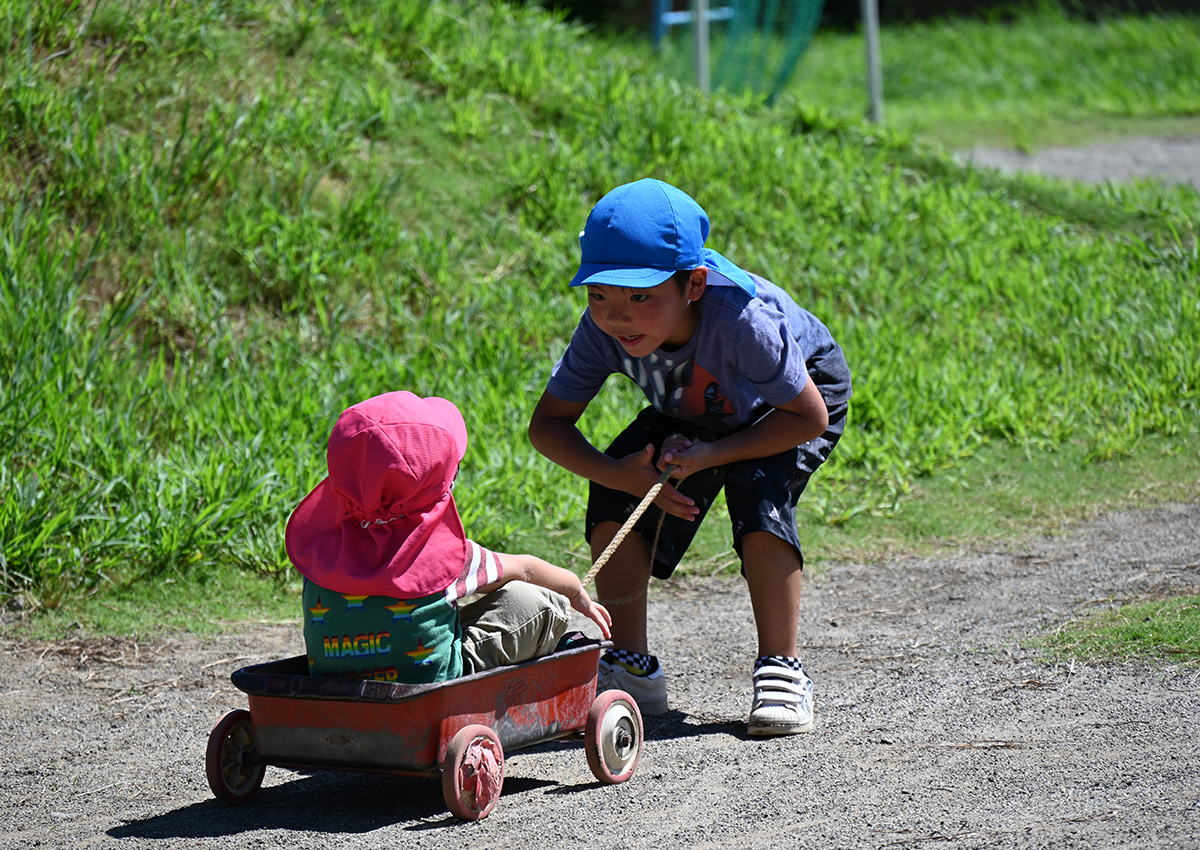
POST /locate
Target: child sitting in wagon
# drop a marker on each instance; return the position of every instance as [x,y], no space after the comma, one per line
[386,562]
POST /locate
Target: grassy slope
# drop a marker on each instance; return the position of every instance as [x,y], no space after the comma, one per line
[207,259]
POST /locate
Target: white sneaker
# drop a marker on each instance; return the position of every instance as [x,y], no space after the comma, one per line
[783,703]
[649,691]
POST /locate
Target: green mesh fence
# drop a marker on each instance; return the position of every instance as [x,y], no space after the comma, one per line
[754,45]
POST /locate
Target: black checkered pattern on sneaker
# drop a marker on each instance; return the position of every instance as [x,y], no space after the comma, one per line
[630,659]
[779,661]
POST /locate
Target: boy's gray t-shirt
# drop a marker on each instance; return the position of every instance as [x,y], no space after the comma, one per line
[749,352]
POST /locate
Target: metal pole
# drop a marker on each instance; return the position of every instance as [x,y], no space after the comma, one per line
[657,25]
[870,15]
[701,32]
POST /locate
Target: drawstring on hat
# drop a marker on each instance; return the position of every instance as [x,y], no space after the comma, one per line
[381,516]
[366,523]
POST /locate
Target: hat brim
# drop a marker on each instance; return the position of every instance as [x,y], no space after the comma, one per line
[633,277]
[611,274]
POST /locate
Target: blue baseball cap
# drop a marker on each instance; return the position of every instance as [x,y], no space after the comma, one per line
[641,233]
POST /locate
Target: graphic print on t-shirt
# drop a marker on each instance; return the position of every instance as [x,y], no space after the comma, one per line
[682,390]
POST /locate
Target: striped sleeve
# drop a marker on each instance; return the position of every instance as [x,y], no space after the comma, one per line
[482,568]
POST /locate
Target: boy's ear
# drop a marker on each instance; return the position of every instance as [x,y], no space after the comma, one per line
[697,283]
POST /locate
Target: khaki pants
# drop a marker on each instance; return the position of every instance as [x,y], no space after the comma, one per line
[515,623]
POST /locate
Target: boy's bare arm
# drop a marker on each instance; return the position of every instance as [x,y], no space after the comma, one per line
[552,432]
[789,425]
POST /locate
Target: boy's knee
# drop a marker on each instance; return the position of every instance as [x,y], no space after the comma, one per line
[764,550]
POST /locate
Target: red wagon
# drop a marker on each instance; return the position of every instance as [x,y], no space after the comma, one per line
[458,730]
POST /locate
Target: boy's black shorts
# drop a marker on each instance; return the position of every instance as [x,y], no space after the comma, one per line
[761,494]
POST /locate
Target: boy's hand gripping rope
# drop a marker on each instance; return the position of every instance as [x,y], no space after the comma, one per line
[624,530]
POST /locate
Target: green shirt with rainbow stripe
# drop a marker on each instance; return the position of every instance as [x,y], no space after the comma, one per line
[412,641]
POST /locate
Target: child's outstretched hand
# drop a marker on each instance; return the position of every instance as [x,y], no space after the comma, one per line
[594,611]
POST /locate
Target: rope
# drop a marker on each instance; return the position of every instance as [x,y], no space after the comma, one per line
[624,530]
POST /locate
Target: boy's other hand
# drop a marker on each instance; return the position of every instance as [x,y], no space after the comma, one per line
[639,474]
[688,456]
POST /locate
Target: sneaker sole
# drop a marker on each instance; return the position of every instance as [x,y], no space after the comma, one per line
[652,708]
[763,730]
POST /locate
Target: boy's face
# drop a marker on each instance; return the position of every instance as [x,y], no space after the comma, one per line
[645,319]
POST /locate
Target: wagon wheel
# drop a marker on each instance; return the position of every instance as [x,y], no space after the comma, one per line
[234,774]
[613,736]
[473,772]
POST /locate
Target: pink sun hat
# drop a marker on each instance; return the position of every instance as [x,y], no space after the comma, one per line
[383,522]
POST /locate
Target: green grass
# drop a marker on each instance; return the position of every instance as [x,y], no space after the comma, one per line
[1156,630]
[202,262]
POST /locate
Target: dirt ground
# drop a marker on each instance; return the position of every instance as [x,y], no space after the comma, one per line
[940,723]
[1172,160]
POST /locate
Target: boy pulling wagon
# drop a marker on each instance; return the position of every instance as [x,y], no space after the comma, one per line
[747,391]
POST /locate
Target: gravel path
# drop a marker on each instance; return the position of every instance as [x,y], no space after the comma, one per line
[1172,160]
[939,724]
